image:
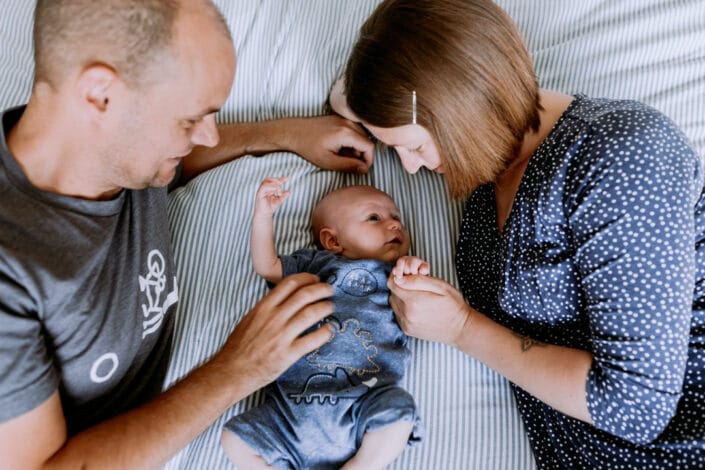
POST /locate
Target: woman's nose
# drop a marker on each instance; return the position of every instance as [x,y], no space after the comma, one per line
[410,162]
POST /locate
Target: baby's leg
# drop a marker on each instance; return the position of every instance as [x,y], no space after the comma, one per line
[380,447]
[242,455]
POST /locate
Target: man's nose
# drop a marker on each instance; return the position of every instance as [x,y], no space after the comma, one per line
[206,132]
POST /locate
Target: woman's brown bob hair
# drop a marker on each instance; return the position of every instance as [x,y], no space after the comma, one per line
[474,80]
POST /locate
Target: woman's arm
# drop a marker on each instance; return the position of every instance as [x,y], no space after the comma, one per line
[555,375]
[329,142]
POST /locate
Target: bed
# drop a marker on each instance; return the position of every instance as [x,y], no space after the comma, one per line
[289,54]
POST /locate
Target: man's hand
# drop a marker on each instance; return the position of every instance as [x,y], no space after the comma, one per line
[332,143]
[269,339]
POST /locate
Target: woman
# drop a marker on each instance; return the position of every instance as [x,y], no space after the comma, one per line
[581,257]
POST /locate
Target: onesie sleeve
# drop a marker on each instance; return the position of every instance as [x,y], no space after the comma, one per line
[305,260]
[27,376]
[636,183]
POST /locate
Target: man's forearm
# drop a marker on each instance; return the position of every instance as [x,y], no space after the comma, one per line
[236,140]
[148,436]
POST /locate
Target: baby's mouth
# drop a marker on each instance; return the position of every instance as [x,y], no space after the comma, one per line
[395,240]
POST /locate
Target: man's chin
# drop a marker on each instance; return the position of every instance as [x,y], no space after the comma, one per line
[164,177]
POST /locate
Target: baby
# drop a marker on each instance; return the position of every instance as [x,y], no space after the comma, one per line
[340,406]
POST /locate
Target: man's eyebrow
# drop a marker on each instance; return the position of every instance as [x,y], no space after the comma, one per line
[208,111]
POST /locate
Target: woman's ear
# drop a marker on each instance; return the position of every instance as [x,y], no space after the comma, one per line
[338,101]
[329,240]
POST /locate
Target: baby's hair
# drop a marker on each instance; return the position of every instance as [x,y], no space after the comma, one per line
[322,206]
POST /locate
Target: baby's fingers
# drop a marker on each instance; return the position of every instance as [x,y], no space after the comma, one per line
[410,265]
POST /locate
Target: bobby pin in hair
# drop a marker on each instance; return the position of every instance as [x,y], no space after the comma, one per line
[413,107]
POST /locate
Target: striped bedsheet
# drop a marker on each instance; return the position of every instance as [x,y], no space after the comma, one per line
[289,53]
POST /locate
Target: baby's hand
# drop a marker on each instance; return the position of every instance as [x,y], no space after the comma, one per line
[270,195]
[409,265]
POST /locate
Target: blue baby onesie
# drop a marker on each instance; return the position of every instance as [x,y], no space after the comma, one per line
[315,415]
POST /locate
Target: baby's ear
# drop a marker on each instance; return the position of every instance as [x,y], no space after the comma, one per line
[329,240]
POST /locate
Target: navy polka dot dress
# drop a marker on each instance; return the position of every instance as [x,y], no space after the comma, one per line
[604,250]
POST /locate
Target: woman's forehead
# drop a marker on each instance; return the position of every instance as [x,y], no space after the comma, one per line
[402,135]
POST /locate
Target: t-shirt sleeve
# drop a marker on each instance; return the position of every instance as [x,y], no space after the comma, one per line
[632,223]
[27,375]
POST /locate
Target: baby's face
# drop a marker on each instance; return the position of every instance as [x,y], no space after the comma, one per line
[368,225]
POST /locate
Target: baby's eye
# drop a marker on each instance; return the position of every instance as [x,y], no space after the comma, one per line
[396,217]
[373,217]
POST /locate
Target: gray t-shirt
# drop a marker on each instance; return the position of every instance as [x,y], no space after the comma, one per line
[87,297]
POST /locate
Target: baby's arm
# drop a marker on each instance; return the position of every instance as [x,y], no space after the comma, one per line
[410,265]
[270,196]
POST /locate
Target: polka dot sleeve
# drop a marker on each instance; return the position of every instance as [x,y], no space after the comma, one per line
[632,223]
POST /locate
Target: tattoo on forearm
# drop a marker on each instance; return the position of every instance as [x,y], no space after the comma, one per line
[528,343]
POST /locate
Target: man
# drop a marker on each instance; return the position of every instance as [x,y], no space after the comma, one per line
[123,91]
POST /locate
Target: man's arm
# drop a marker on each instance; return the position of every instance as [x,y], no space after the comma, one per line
[264,344]
[329,142]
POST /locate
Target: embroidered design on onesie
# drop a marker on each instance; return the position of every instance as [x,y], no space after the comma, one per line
[351,343]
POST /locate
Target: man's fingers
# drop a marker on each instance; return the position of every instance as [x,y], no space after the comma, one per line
[311,341]
[309,316]
[340,162]
[303,305]
[294,283]
[364,148]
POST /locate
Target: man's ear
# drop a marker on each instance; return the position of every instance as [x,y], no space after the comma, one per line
[329,240]
[95,85]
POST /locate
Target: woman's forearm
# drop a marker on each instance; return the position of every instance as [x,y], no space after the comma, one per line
[556,375]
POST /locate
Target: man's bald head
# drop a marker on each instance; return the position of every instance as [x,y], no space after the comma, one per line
[129,36]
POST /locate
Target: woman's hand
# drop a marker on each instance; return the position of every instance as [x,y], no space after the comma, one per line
[429,308]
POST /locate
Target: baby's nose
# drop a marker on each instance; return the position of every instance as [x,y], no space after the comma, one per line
[394,225]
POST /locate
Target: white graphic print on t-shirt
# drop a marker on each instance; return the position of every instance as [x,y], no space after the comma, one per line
[153,284]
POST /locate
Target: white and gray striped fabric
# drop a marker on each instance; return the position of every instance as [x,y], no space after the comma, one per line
[289,53]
